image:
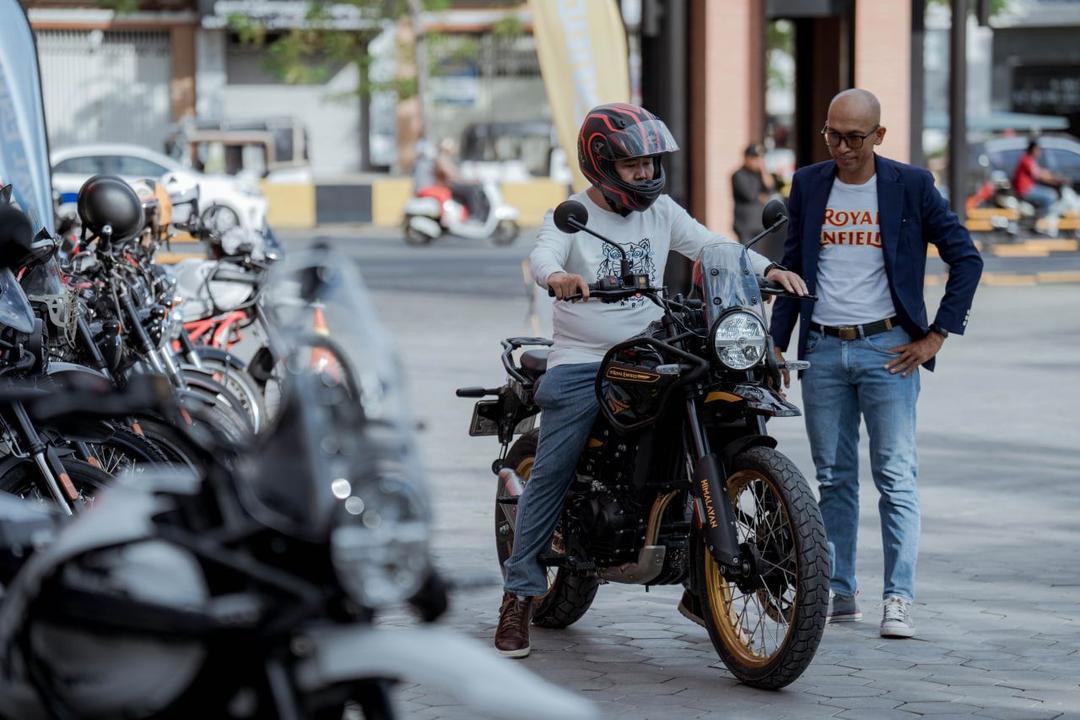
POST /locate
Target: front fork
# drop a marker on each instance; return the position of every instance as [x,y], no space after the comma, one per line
[714,513]
[55,477]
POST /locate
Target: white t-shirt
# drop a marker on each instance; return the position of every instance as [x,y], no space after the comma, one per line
[585,331]
[852,287]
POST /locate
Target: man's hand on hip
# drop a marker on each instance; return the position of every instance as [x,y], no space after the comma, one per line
[564,285]
[914,354]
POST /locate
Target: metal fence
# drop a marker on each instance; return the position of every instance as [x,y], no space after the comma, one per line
[105,86]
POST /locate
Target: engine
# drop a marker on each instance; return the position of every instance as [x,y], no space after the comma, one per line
[610,524]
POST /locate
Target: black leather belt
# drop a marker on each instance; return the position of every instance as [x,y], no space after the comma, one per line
[850,332]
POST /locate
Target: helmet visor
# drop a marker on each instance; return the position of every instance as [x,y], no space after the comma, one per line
[649,137]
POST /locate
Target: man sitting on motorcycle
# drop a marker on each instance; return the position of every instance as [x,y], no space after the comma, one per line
[620,149]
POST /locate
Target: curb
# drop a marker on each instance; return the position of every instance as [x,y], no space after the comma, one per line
[1056,277]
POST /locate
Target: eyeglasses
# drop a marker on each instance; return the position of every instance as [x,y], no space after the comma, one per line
[854,140]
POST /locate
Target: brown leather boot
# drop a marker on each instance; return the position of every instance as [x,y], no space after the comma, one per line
[512,635]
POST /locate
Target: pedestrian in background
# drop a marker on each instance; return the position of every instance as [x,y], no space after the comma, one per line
[751,186]
[858,233]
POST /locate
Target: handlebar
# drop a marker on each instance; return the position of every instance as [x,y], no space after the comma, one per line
[607,293]
[775,289]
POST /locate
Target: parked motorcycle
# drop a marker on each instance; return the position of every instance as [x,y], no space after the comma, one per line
[434,213]
[252,592]
[680,481]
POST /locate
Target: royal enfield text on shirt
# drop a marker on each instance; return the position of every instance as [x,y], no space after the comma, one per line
[585,331]
[852,287]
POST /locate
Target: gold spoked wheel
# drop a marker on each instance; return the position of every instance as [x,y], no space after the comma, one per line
[766,628]
[755,623]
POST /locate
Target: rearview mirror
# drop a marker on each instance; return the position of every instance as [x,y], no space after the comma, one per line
[774,211]
[570,216]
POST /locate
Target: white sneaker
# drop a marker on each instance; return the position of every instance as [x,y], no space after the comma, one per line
[896,618]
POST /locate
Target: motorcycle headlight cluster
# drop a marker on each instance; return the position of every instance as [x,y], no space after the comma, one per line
[380,549]
[739,340]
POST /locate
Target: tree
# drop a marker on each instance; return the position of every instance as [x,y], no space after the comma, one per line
[322,42]
[996,6]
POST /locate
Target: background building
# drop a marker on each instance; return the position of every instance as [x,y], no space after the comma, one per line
[722,73]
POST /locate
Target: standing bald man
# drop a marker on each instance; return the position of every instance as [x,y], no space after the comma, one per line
[858,232]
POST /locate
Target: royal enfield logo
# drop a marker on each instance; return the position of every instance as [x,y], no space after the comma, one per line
[706,497]
[615,373]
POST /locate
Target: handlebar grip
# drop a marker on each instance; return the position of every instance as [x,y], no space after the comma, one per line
[768,287]
[593,287]
[474,392]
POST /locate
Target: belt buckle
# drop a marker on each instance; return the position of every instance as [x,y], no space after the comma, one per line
[848,332]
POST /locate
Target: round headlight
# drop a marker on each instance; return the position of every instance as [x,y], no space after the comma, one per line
[739,340]
[380,550]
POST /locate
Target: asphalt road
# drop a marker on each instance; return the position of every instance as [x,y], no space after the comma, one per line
[998,606]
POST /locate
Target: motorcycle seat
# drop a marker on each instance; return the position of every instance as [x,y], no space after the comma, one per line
[534,362]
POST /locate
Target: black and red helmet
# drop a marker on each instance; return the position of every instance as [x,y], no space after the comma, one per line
[620,131]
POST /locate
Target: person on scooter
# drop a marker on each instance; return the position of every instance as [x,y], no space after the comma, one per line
[1034,184]
[620,152]
[466,192]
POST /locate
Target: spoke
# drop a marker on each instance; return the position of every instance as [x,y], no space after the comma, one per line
[757,625]
[781,569]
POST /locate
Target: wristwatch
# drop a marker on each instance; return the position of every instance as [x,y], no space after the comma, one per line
[935,328]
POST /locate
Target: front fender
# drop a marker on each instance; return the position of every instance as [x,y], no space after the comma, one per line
[224,356]
[439,658]
[60,369]
[764,400]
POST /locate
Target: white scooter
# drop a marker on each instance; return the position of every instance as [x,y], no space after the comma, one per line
[433,213]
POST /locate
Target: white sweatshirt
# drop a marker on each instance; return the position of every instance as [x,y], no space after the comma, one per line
[585,331]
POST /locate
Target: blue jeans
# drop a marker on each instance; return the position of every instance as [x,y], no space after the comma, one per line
[567,396]
[847,379]
[1042,197]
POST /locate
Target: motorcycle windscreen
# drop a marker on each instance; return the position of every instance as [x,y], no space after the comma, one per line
[24,145]
[726,279]
[343,440]
[43,279]
[15,310]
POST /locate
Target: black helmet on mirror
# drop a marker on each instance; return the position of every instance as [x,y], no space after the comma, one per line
[621,131]
[108,201]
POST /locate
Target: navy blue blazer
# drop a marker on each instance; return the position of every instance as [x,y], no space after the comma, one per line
[912,213]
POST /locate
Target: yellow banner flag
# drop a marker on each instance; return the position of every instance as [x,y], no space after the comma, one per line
[583,58]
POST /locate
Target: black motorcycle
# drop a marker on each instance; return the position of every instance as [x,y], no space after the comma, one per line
[679,481]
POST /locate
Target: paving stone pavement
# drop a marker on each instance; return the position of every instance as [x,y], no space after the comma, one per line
[998,607]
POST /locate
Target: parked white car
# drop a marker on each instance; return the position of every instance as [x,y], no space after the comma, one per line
[224,202]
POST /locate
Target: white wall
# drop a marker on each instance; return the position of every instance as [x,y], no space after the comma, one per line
[330,112]
[105,86]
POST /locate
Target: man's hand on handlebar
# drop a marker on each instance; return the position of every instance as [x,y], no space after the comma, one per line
[565,285]
[789,281]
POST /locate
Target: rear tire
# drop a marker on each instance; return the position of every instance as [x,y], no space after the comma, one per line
[506,232]
[789,536]
[569,596]
[414,236]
